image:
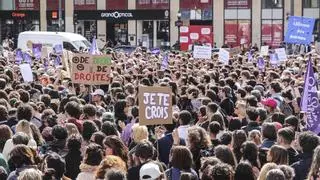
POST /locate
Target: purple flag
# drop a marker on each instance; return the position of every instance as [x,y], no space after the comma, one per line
[94,48]
[250,57]
[36,50]
[27,58]
[261,63]
[156,51]
[274,59]
[57,61]
[58,48]
[19,56]
[309,101]
[165,62]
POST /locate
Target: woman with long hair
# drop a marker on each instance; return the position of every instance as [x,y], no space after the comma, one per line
[22,126]
[238,138]
[278,154]
[139,133]
[37,135]
[244,171]
[20,158]
[181,161]
[114,146]
[224,153]
[92,158]
[5,134]
[198,141]
[108,163]
[314,172]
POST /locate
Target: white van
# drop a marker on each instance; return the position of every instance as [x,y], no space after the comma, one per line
[70,41]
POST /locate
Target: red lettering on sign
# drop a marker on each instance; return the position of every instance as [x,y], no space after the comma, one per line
[16,14]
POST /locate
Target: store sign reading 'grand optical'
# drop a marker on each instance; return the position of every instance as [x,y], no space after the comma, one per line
[116,15]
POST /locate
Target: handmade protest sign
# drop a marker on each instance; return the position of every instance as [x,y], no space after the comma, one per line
[202,52]
[224,56]
[281,53]
[58,49]
[264,51]
[155,105]
[299,30]
[26,72]
[36,50]
[89,69]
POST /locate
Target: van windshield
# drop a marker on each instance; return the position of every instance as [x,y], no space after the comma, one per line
[83,43]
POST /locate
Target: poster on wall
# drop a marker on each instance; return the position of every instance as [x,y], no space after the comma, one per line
[27,4]
[238,4]
[237,32]
[85,4]
[195,34]
[272,34]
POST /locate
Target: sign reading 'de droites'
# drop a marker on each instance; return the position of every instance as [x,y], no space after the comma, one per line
[299,30]
[155,105]
[89,69]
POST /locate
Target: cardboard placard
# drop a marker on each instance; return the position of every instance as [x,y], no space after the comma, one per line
[91,69]
[281,53]
[202,52]
[264,51]
[155,105]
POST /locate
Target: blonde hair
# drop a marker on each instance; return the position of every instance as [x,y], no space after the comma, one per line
[139,133]
[255,136]
[109,162]
[31,173]
[72,129]
[265,169]
[24,126]
[315,166]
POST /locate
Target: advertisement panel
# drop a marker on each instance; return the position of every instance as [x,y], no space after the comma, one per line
[27,4]
[85,4]
[272,34]
[152,4]
[237,4]
[237,32]
[118,4]
[195,34]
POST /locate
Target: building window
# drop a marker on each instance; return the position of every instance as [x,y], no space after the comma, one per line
[271,4]
[116,4]
[272,23]
[152,4]
[237,24]
[311,3]
[85,4]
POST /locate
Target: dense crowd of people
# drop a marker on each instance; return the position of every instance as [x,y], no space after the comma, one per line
[232,121]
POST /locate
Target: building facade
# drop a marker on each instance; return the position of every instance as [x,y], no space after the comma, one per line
[152,23]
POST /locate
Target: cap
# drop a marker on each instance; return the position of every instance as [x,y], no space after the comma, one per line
[150,171]
[269,102]
[98,92]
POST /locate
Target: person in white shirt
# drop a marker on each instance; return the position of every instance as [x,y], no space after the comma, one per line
[184,121]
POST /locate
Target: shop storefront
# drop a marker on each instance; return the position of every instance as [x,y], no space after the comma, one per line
[17,16]
[87,28]
[117,23]
[237,23]
[154,33]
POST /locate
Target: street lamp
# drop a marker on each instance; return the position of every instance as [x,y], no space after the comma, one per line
[179,23]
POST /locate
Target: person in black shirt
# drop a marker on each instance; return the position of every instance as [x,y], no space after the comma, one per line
[226,104]
[285,137]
